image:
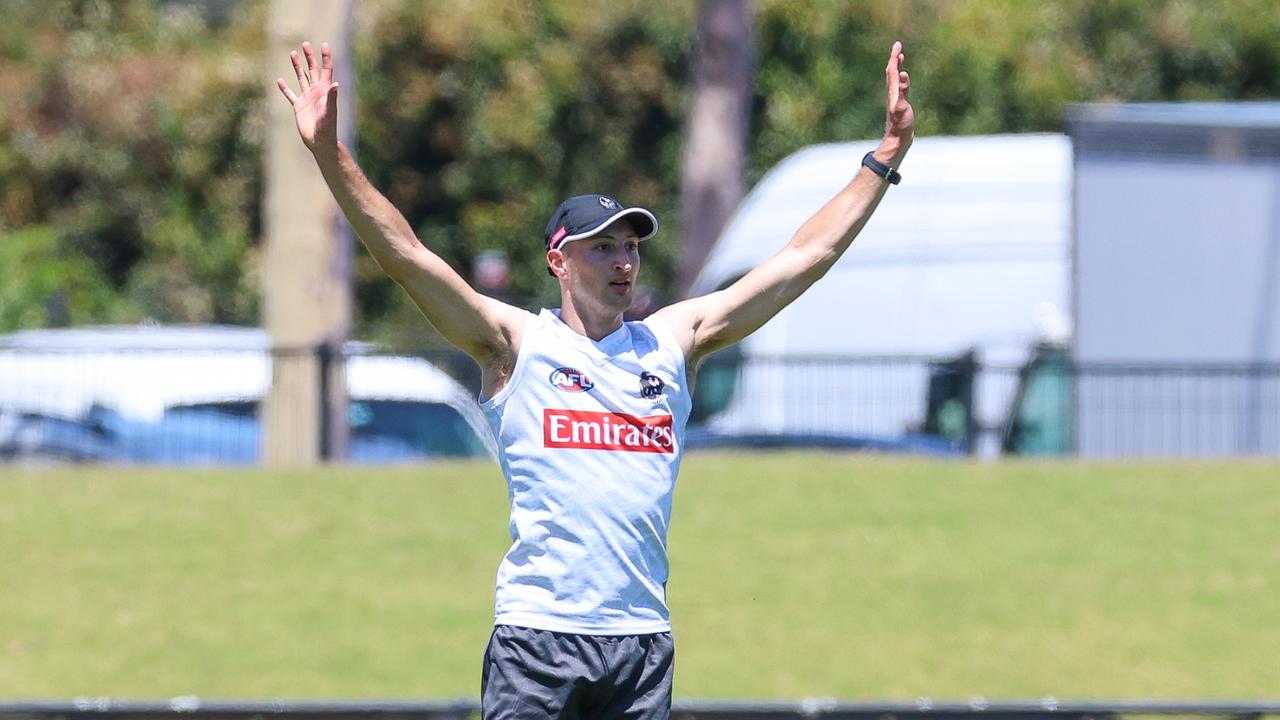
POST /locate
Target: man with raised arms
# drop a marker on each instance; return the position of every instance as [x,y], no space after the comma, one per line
[589,411]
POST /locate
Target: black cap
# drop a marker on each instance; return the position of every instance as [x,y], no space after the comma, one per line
[585,215]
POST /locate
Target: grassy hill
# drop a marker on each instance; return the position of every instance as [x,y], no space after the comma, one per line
[793,574]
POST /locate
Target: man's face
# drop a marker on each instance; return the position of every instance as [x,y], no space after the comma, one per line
[602,269]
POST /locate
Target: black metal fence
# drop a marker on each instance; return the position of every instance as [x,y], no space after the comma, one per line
[204,405]
[1177,410]
[1048,405]
[923,709]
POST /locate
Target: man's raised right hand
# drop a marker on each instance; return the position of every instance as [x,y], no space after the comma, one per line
[316,109]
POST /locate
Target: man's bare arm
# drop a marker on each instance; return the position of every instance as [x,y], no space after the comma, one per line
[706,324]
[484,328]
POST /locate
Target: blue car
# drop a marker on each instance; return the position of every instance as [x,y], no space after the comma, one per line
[192,396]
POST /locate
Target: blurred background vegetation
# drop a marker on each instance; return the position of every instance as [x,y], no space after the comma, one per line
[131,164]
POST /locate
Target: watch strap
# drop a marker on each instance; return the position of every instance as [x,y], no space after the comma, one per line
[881,169]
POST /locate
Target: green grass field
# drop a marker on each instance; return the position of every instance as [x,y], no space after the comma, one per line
[792,575]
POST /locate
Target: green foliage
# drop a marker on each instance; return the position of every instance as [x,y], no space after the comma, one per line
[135,138]
[995,66]
[133,129]
[53,288]
[477,119]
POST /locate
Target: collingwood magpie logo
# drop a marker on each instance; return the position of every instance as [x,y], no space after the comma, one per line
[650,385]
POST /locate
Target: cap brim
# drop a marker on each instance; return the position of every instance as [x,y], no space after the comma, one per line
[645,224]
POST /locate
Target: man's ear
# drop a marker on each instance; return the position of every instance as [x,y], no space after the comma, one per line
[556,263]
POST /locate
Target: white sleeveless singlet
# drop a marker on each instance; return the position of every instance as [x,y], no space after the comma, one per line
[590,436]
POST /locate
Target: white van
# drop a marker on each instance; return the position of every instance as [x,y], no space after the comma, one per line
[190,395]
[970,253]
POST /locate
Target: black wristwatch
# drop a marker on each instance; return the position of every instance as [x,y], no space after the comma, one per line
[881,169]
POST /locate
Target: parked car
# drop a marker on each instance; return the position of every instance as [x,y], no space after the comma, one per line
[191,395]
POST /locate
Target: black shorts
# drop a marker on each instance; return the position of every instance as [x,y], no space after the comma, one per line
[543,674]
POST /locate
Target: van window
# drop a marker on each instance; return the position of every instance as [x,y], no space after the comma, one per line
[1041,420]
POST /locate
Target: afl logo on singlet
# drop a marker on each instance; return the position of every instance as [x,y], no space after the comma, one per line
[570,380]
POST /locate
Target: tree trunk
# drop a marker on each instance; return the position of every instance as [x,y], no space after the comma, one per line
[715,148]
[306,294]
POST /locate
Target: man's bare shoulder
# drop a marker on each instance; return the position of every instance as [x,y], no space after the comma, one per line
[509,320]
[682,320]
[511,324]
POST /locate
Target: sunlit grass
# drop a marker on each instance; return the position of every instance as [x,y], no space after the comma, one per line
[792,575]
